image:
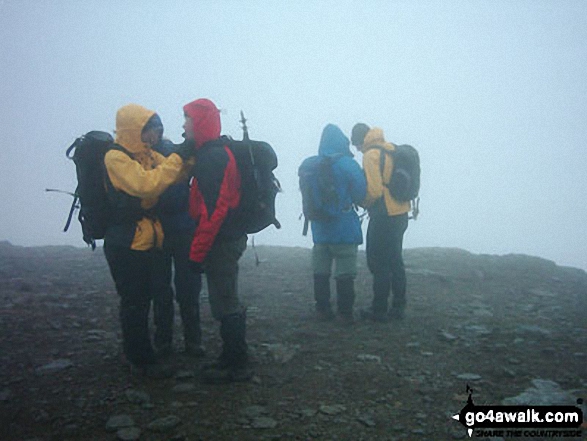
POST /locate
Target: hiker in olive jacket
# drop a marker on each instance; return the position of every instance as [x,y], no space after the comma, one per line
[388,221]
[136,176]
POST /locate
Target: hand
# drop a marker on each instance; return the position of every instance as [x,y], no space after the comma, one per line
[196,267]
[186,150]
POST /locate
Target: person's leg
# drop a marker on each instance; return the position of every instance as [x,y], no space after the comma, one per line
[162,295]
[130,271]
[399,224]
[187,290]
[378,260]
[321,266]
[345,273]
[222,276]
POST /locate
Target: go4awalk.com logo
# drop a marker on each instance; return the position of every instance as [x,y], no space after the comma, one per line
[521,421]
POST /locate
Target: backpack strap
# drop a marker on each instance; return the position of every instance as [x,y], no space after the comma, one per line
[382,154]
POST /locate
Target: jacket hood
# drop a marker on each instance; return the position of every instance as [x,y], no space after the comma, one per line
[130,120]
[375,138]
[206,118]
[334,142]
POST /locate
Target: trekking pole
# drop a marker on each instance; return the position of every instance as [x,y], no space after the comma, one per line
[415,208]
[74,205]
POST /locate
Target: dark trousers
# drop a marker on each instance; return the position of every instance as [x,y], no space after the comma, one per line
[138,276]
[187,292]
[221,267]
[385,236]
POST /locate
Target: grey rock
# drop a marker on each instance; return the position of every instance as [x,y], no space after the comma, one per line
[119,422]
[482,312]
[281,353]
[477,330]
[128,434]
[369,357]
[334,409]
[533,330]
[445,335]
[543,393]
[164,424]
[54,366]
[366,420]
[263,423]
[254,411]
[137,396]
[184,387]
[184,375]
[469,376]
[308,413]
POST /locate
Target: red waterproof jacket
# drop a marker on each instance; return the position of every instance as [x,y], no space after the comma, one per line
[215,187]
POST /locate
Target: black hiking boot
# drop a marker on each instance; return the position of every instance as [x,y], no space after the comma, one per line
[232,365]
[322,297]
[345,290]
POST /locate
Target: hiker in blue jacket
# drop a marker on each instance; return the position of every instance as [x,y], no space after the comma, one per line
[178,228]
[338,238]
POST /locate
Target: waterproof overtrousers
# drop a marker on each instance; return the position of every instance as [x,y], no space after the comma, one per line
[322,296]
[345,290]
[234,346]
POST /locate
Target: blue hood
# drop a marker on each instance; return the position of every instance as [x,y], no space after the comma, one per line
[334,142]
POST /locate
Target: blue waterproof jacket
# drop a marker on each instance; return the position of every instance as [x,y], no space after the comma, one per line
[351,186]
[173,204]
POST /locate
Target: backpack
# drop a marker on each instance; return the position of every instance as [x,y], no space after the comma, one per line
[318,187]
[404,184]
[87,152]
[255,161]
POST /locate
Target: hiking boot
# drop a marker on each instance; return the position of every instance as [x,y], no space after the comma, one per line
[155,371]
[345,289]
[397,313]
[322,297]
[194,350]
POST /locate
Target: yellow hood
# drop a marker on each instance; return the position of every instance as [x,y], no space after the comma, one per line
[375,138]
[130,120]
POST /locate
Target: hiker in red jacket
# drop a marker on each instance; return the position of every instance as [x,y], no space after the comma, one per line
[219,239]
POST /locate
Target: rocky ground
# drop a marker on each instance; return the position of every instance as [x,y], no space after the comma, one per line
[505,325]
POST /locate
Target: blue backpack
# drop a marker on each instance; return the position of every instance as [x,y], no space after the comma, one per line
[320,201]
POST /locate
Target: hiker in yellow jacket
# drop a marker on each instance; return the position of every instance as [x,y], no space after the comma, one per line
[136,177]
[388,221]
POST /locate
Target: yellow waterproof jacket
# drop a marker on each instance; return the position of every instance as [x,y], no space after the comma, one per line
[145,176]
[373,149]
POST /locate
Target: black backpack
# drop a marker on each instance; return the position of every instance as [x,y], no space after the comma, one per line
[404,184]
[87,152]
[256,161]
[318,187]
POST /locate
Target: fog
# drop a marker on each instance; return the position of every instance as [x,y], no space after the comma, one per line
[493,94]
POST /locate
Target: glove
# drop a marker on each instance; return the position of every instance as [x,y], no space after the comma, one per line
[186,150]
[196,267]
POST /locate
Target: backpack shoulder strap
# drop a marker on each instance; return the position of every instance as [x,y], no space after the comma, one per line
[382,155]
[120,148]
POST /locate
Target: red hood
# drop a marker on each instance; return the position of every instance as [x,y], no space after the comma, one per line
[206,118]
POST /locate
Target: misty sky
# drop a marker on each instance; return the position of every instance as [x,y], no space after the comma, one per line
[492,93]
